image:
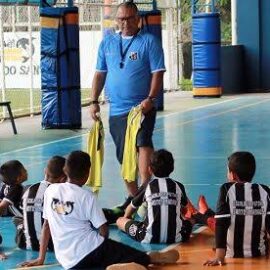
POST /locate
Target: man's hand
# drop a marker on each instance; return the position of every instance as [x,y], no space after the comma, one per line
[147,105]
[35,262]
[94,112]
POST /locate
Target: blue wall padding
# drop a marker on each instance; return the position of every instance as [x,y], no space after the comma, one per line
[206,28]
[205,56]
[206,50]
[60,68]
[265,44]
[207,78]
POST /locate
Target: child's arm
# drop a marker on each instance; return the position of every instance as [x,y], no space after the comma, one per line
[103,230]
[219,259]
[45,237]
[3,206]
[223,220]
[129,211]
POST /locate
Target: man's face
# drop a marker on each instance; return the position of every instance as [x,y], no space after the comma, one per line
[127,21]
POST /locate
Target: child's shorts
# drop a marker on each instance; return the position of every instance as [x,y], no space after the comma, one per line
[137,230]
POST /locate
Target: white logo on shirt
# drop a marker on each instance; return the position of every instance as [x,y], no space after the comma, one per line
[133,56]
[63,208]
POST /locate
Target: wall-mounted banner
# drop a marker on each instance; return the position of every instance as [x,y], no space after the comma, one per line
[17,59]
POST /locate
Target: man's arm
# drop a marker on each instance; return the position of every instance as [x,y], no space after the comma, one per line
[44,240]
[97,86]
[156,85]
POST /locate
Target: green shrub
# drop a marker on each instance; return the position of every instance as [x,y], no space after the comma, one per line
[186,85]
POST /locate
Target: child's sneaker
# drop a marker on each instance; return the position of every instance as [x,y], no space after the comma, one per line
[126,266]
[169,256]
[113,214]
[202,204]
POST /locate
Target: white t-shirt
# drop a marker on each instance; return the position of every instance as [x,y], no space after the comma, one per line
[73,215]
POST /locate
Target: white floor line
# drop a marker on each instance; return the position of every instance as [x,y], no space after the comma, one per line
[161,116]
[36,267]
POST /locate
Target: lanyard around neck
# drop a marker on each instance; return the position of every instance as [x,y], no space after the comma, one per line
[123,53]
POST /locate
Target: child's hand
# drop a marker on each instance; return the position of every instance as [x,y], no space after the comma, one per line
[3,256]
[35,262]
[214,262]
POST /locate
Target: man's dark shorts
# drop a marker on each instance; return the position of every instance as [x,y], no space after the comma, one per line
[118,126]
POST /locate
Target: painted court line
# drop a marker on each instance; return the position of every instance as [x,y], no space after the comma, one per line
[216,114]
[162,116]
[37,267]
[198,108]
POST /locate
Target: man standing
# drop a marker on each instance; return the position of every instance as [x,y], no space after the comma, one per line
[131,65]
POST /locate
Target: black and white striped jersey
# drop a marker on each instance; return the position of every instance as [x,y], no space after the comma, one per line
[13,195]
[164,198]
[32,214]
[242,219]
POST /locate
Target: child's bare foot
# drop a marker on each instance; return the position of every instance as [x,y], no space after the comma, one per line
[160,257]
[202,204]
[126,266]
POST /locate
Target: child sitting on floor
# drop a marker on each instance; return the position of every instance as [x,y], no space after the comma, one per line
[29,224]
[12,174]
[78,227]
[242,219]
[165,199]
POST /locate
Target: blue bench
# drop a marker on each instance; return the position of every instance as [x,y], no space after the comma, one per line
[7,104]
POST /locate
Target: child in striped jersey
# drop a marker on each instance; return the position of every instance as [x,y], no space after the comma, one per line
[243,212]
[165,201]
[12,175]
[29,224]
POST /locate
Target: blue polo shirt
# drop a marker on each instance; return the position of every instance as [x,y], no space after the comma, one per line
[126,87]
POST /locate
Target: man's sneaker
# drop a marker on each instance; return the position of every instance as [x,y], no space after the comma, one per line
[202,204]
[160,257]
[190,210]
[126,266]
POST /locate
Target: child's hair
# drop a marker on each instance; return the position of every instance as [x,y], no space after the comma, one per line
[162,163]
[243,164]
[77,165]
[55,166]
[10,171]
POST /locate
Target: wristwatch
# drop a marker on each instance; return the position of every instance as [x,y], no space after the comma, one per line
[152,99]
[93,102]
